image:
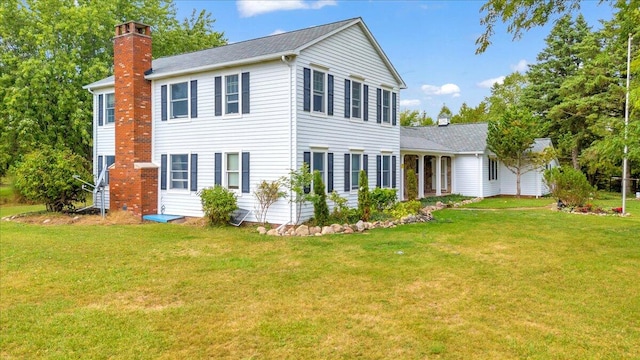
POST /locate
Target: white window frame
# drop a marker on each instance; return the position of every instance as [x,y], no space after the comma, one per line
[108,109]
[356,101]
[355,173]
[322,92]
[385,174]
[170,174]
[324,171]
[227,172]
[386,108]
[171,100]
[238,94]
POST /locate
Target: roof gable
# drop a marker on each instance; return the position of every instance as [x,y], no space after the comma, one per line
[252,51]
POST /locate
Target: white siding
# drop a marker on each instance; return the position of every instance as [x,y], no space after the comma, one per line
[531,183]
[342,55]
[264,133]
[489,187]
[103,142]
[468,175]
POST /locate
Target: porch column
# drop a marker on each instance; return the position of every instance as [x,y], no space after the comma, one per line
[421,176]
[439,176]
[402,177]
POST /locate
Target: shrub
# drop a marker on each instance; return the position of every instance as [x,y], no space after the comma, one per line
[383,199]
[404,208]
[568,185]
[412,185]
[218,204]
[266,195]
[298,183]
[320,208]
[364,197]
[46,176]
[341,211]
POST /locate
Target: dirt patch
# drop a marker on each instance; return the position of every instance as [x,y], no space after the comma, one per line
[112,218]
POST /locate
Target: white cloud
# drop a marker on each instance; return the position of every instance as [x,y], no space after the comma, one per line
[446,89]
[249,8]
[278,31]
[410,102]
[489,82]
[521,66]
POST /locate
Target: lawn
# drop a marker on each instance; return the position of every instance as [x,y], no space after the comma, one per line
[472,284]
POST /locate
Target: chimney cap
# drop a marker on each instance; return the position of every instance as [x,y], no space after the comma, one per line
[133,27]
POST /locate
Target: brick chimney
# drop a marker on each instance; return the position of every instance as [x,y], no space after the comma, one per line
[133,180]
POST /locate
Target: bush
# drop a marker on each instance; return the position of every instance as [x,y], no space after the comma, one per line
[266,195]
[383,199]
[320,208]
[404,208]
[46,176]
[341,211]
[364,197]
[218,204]
[568,185]
[412,185]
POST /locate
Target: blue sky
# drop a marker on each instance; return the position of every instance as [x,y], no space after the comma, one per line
[431,43]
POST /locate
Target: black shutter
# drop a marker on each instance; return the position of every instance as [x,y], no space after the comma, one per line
[330,95]
[163,172]
[329,172]
[393,171]
[245,93]
[100,110]
[347,98]
[218,95]
[99,165]
[217,169]
[245,172]
[378,171]
[394,99]
[379,106]
[365,163]
[347,172]
[306,106]
[163,102]
[365,103]
[194,98]
[194,172]
[306,158]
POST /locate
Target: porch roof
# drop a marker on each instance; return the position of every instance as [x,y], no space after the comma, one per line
[453,138]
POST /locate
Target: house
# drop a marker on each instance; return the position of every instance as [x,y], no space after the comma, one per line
[239,114]
[454,159]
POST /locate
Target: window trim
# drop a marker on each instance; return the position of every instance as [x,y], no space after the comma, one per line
[238,93]
[226,172]
[388,171]
[171,100]
[386,109]
[360,154]
[106,109]
[315,92]
[170,172]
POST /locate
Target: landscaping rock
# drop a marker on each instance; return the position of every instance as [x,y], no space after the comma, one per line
[337,228]
[262,230]
[315,230]
[327,230]
[273,232]
[302,230]
[360,226]
[348,230]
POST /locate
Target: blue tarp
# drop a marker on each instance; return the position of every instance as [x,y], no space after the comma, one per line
[163,218]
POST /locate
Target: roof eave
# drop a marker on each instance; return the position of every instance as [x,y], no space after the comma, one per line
[253,60]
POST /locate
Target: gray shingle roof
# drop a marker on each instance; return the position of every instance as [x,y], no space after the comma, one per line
[453,138]
[258,49]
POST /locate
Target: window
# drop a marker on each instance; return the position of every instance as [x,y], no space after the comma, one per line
[233,171]
[179,175]
[493,169]
[318,91]
[109,108]
[386,106]
[232,94]
[386,171]
[317,163]
[356,166]
[356,98]
[179,100]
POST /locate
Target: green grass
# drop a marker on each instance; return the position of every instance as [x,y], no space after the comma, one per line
[499,284]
